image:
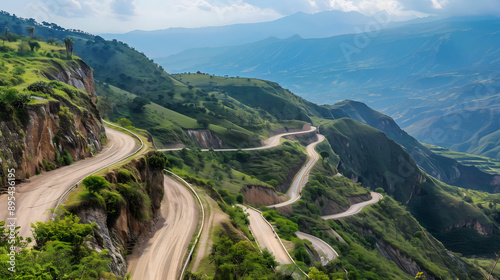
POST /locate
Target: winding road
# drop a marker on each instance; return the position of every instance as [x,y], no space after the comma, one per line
[326,252]
[161,256]
[355,208]
[302,177]
[37,195]
[266,236]
[269,143]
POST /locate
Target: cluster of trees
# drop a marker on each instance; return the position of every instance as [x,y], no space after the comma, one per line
[241,260]
[60,252]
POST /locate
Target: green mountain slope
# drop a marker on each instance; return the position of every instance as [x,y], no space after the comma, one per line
[368,156]
[443,168]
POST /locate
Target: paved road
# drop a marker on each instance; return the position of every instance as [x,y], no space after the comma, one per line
[160,258]
[326,252]
[269,143]
[302,177]
[265,236]
[41,193]
[355,208]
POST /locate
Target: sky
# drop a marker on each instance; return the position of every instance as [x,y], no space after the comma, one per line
[119,16]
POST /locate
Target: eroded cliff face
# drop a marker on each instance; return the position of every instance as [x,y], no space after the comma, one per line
[261,195]
[205,138]
[122,234]
[79,75]
[39,136]
[405,263]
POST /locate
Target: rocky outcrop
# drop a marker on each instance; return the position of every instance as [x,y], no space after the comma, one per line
[122,234]
[78,75]
[474,224]
[51,133]
[205,138]
[261,195]
[405,263]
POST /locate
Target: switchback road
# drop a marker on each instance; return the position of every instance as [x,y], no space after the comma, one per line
[37,195]
[161,256]
[355,208]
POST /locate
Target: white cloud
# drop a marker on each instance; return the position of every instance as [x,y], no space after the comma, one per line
[125,15]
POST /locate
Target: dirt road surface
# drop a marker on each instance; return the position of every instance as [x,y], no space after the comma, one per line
[41,193]
[302,177]
[266,237]
[161,256]
[269,143]
[326,252]
[355,208]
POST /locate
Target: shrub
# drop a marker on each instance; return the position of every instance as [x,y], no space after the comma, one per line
[9,96]
[41,86]
[95,183]
[124,176]
[158,161]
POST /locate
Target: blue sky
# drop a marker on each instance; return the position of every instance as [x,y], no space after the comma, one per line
[104,16]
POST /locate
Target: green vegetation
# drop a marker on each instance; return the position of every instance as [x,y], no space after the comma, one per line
[140,198]
[95,184]
[241,260]
[369,155]
[485,164]
[60,253]
[232,170]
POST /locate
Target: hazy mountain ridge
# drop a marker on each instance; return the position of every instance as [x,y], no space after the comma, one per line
[161,43]
[416,73]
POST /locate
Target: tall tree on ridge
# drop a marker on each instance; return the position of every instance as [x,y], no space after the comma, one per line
[69,47]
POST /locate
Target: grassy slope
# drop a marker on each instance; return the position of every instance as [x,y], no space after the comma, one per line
[486,164]
[387,223]
[258,94]
[367,154]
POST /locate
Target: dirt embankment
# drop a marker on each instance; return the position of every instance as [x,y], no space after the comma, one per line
[261,195]
[205,138]
[123,233]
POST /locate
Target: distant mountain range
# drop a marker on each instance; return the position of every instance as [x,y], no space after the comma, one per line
[162,43]
[422,74]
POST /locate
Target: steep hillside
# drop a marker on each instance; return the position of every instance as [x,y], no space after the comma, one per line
[368,156]
[443,168]
[45,124]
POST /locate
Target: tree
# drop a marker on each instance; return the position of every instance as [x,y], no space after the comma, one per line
[324,154]
[69,47]
[34,45]
[31,29]
[315,274]
[204,122]
[138,103]
[95,183]
[52,41]
[9,96]
[23,48]
[124,122]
